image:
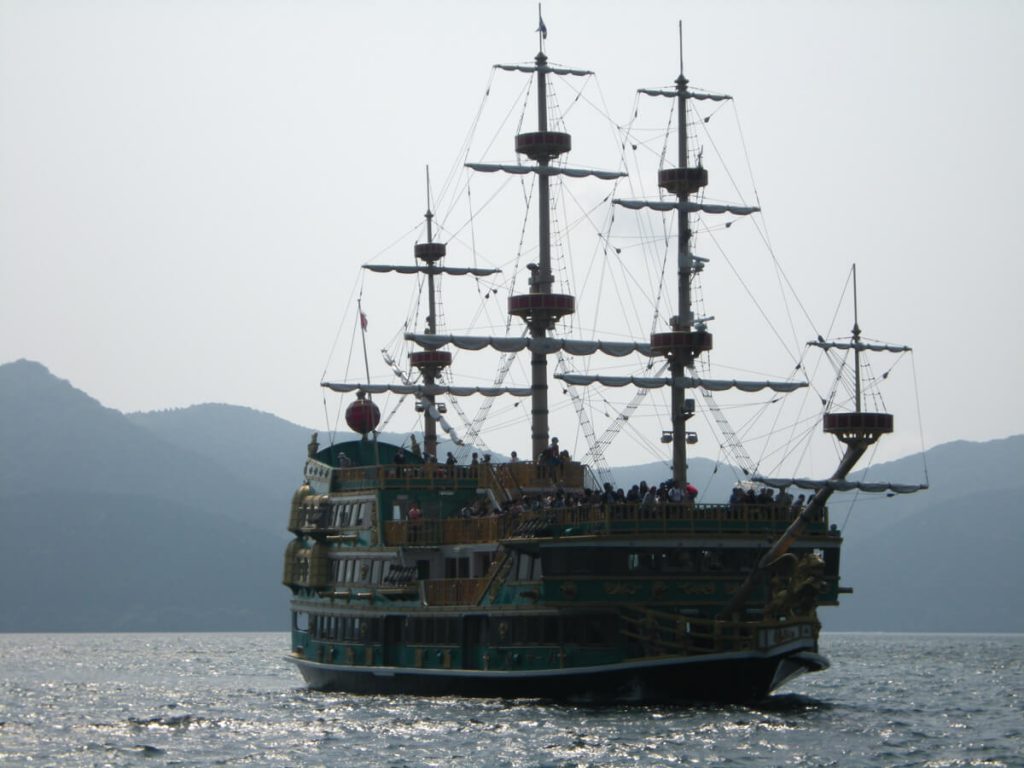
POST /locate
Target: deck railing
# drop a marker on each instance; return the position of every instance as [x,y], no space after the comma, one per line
[505,480]
[660,632]
[600,520]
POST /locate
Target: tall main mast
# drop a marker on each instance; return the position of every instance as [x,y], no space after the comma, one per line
[541,308]
[682,344]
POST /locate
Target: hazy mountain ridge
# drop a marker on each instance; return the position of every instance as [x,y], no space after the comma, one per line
[175,520]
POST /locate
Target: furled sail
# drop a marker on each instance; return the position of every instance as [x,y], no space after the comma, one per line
[687,207]
[859,346]
[425,389]
[712,385]
[545,170]
[519,343]
[839,485]
[689,94]
[411,269]
[546,69]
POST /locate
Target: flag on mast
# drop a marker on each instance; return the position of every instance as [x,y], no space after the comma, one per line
[362,320]
[542,27]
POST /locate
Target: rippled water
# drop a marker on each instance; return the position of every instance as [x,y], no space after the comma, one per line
[230,699]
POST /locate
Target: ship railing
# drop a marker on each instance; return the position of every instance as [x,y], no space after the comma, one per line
[675,518]
[514,478]
[453,591]
[661,632]
[434,532]
[597,519]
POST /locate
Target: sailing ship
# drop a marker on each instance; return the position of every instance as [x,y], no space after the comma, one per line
[532,578]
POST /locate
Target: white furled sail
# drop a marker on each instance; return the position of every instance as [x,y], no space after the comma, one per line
[687,207]
[545,170]
[839,485]
[519,343]
[859,346]
[713,385]
[674,94]
[430,270]
[545,69]
[425,389]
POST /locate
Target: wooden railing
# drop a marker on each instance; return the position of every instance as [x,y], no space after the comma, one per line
[660,632]
[453,591]
[501,478]
[599,520]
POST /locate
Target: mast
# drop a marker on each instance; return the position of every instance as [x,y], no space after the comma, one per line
[856,345]
[542,277]
[858,431]
[541,308]
[430,363]
[682,344]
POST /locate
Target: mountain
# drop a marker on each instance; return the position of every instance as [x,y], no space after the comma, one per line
[109,525]
[947,559]
[175,520]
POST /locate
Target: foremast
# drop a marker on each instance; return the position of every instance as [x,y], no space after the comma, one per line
[430,362]
[857,430]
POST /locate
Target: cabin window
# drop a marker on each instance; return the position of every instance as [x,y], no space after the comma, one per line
[300,621]
[456,567]
[378,568]
[574,561]
[528,567]
[422,569]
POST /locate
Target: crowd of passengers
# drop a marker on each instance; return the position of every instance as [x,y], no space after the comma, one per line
[666,492]
[642,494]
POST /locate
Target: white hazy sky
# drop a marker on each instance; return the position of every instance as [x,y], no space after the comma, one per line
[187,188]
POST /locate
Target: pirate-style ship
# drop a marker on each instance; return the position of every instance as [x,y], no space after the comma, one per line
[529,578]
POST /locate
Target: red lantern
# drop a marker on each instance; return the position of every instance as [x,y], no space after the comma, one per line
[362,416]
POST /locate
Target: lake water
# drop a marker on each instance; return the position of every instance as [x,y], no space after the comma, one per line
[231,699]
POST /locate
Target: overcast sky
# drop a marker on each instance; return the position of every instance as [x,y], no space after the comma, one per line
[187,189]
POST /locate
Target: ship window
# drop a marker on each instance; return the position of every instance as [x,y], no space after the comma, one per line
[523,566]
[677,561]
[456,567]
[584,562]
[300,621]
[422,569]
[378,566]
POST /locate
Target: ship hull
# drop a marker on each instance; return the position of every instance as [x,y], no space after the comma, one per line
[725,678]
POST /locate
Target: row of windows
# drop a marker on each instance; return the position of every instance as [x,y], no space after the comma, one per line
[338,515]
[597,629]
[611,561]
[361,571]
